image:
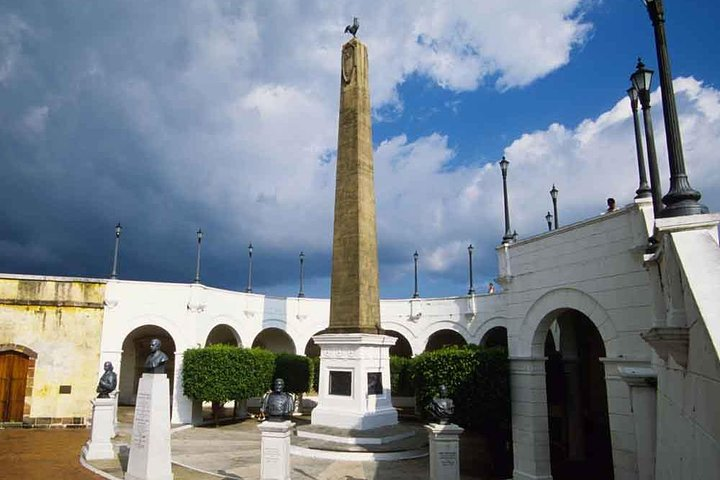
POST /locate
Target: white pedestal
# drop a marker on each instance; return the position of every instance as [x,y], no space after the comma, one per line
[99,446]
[150,446]
[356,354]
[444,451]
[275,450]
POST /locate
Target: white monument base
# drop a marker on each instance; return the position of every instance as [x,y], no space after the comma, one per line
[150,446]
[99,446]
[354,381]
[275,450]
[444,451]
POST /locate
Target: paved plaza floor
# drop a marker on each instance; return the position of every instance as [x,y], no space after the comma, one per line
[230,451]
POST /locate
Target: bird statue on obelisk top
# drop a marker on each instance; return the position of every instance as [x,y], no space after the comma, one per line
[354,299]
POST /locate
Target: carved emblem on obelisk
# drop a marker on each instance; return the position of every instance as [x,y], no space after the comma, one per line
[348,62]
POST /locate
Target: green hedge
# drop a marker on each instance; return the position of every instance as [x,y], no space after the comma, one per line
[296,370]
[477,381]
[220,373]
[401,376]
[316,373]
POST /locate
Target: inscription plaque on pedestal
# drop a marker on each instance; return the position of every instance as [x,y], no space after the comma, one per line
[341,383]
[375,386]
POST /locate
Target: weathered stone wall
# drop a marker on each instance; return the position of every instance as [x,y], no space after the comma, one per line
[60,319]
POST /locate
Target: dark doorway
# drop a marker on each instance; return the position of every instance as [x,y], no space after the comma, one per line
[136,347]
[13,380]
[579,428]
[402,347]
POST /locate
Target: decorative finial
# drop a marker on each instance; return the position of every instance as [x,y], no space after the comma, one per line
[352,29]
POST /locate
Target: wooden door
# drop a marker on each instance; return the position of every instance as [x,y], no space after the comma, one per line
[13,378]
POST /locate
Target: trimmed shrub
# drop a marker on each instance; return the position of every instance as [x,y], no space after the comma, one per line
[220,373]
[401,381]
[477,381]
[296,370]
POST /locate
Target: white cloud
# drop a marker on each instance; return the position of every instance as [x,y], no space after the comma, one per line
[12,32]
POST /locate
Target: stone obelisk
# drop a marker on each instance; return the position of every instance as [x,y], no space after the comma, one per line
[354,300]
[354,359]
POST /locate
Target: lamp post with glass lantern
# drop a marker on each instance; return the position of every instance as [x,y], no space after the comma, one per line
[248,289]
[643,190]
[302,262]
[641,80]
[118,230]
[416,294]
[197,257]
[554,196]
[471,290]
[507,237]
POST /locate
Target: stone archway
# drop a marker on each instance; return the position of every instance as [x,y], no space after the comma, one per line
[17,370]
[444,338]
[136,347]
[576,393]
[311,349]
[495,337]
[223,334]
[402,346]
[275,340]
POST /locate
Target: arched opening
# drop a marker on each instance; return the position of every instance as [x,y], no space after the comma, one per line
[275,340]
[402,347]
[136,348]
[444,338]
[17,368]
[579,428]
[495,337]
[223,335]
[311,349]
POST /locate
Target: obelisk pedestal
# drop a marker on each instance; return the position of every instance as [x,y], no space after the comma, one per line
[150,445]
[354,379]
[99,447]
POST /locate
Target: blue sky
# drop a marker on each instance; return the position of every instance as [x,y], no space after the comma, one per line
[169,116]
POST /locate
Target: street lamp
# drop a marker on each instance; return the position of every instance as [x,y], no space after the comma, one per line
[643,190]
[118,230]
[471,290]
[548,219]
[503,168]
[554,195]
[641,81]
[248,289]
[197,260]
[681,199]
[302,261]
[415,259]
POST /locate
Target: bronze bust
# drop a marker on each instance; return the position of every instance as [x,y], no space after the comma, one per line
[108,381]
[277,404]
[155,362]
[442,407]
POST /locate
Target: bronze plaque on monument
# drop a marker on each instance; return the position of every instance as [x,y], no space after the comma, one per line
[374,383]
[341,383]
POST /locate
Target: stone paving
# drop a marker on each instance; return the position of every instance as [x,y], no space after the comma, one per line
[232,451]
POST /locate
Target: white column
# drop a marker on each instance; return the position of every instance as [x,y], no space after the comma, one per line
[182,406]
[444,451]
[275,450]
[531,439]
[643,400]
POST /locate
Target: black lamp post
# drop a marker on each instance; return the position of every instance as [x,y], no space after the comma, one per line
[643,190]
[641,80]
[302,262]
[548,219]
[197,258]
[471,290]
[503,168]
[554,195]
[248,289]
[416,294]
[681,199]
[118,230]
